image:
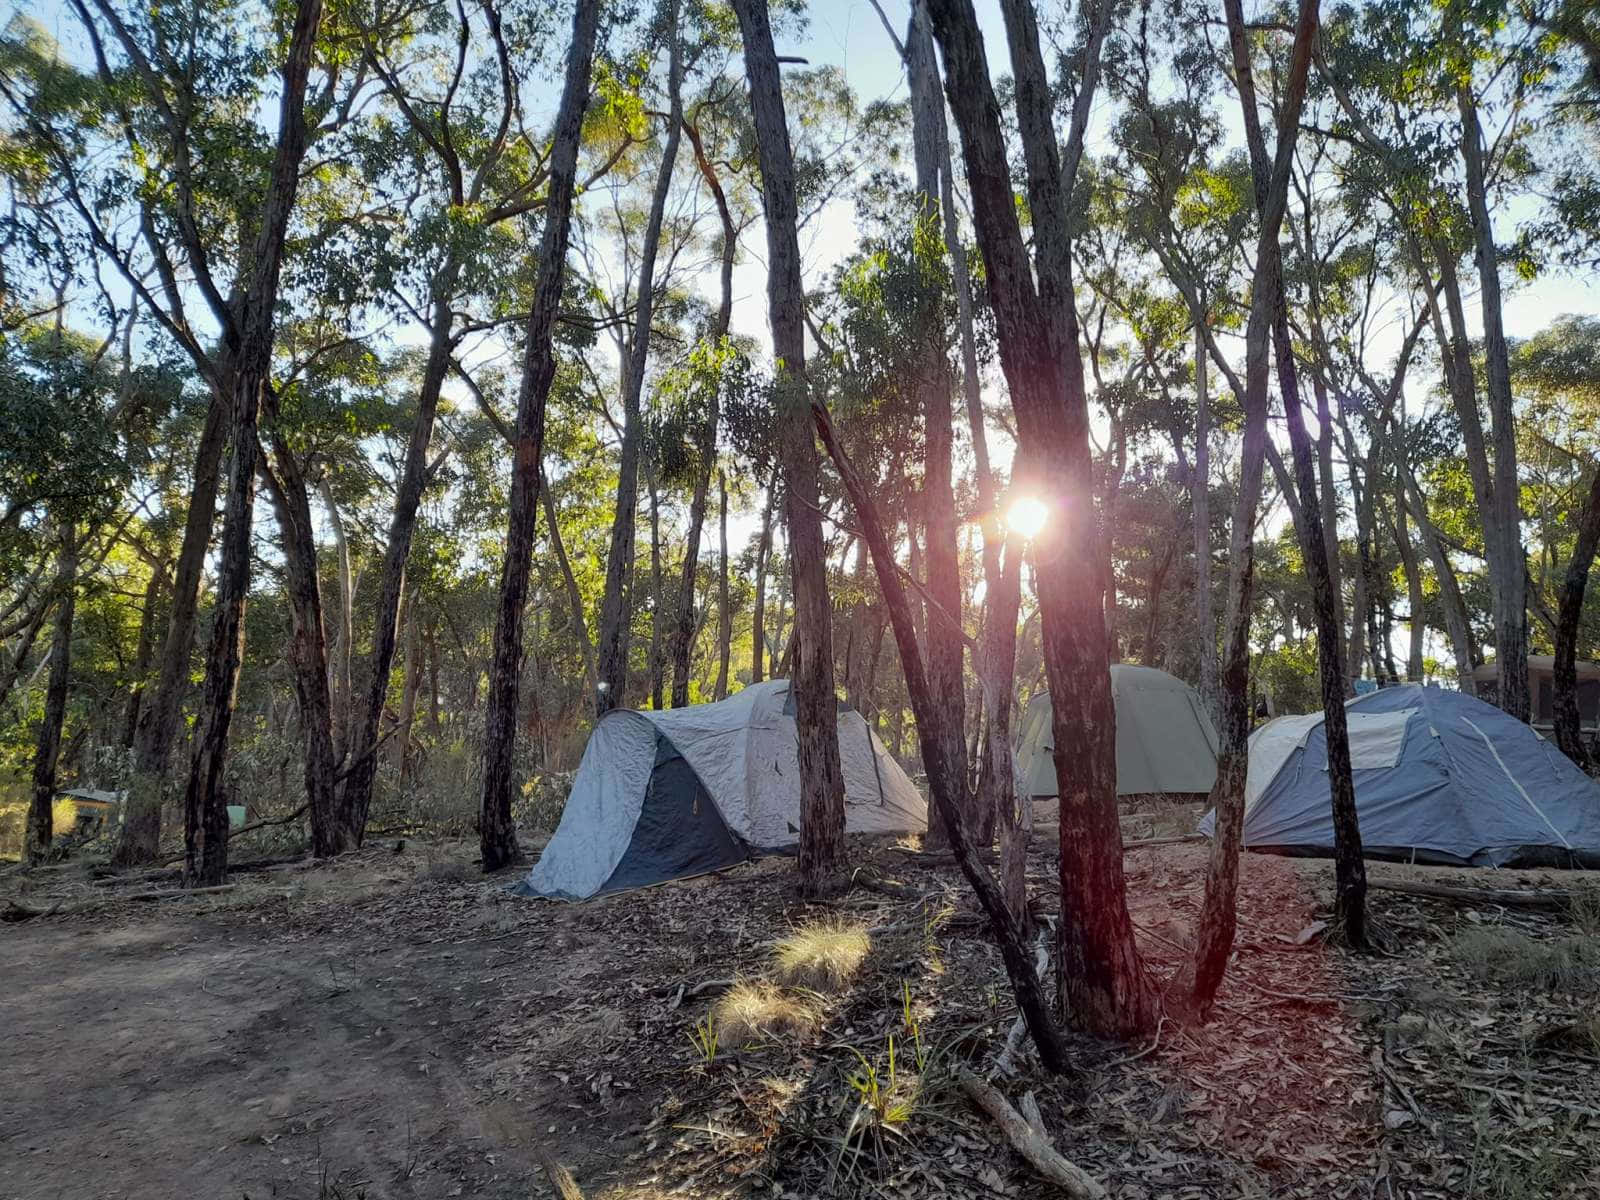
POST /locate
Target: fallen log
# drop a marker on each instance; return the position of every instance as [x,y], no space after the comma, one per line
[1546,900]
[17,910]
[943,858]
[1029,1141]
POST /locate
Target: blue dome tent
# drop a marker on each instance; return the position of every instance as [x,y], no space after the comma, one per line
[1440,777]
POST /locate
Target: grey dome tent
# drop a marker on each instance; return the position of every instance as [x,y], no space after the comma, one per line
[682,791]
[1440,777]
[1165,741]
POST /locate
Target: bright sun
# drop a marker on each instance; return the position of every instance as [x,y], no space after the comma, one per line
[1026,516]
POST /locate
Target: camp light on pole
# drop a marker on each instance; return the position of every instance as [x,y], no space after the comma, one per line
[1026,516]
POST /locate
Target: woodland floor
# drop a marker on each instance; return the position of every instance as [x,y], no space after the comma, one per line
[392,1026]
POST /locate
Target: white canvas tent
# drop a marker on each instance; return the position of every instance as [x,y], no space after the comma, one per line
[1165,741]
[666,794]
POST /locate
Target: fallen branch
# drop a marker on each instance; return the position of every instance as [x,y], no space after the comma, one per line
[683,991]
[885,886]
[938,858]
[1019,1029]
[1029,1141]
[1551,900]
[1163,841]
[16,910]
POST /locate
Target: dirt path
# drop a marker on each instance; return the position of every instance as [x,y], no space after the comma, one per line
[393,1026]
[220,1059]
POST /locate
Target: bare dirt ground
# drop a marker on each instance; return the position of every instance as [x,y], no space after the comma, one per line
[392,1026]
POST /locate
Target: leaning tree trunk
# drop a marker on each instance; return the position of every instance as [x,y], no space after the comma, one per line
[205,833]
[1105,986]
[1458,625]
[616,602]
[1511,573]
[1349,867]
[580,624]
[1568,727]
[140,837]
[705,449]
[822,846]
[47,746]
[1216,924]
[308,651]
[496,829]
[363,745]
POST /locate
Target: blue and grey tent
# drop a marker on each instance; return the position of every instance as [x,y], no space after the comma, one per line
[683,791]
[1440,777]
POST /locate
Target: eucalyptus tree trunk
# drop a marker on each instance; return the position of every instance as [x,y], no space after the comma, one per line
[1104,984]
[822,845]
[342,656]
[943,566]
[496,830]
[331,831]
[1350,888]
[724,604]
[580,624]
[706,450]
[138,841]
[412,688]
[251,335]
[1205,619]
[1568,728]
[144,656]
[1414,597]
[47,745]
[1458,625]
[1217,922]
[616,602]
[1508,568]
[1328,501]
[655,665]
[758,635]
[414,476]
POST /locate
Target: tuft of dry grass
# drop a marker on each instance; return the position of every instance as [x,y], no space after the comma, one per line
[823,957]
[1495,954]
[753,1011]
[448,870]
